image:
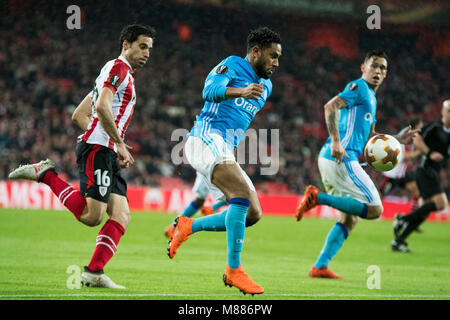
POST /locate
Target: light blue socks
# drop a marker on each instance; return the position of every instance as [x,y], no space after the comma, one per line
[218,205]
[333,244]
[190,210]
[213,222]
[344,204]
[233,221]
[235,224]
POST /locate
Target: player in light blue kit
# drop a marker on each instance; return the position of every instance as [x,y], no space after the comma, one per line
[235,90]
[350,120]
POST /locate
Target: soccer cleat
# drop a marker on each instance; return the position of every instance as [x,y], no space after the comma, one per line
[398,225]
[241,280]
[399,246]
[169,232]
[323,272]
[207,210]
[308,202]
[98,279]
[182,231]
[34,172]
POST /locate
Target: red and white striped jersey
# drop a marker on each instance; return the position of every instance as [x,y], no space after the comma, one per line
[118,76]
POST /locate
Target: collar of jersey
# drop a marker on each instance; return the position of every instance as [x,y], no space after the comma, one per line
[126,62]
[368,85]
[251,70]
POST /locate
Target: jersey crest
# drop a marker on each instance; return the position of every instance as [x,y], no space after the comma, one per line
[222,69]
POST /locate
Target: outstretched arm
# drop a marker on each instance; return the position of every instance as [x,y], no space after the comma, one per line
[407,135]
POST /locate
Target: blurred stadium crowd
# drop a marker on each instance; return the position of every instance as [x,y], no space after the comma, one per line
[46,70]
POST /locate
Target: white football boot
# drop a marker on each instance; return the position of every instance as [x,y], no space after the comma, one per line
[33,172]
[98,279]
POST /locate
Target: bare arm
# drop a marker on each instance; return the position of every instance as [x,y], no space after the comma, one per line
[405,136]
[82,114]
[412,154]
[332,111]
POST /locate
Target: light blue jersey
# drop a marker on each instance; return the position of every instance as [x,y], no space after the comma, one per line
[355,120]
[229,118]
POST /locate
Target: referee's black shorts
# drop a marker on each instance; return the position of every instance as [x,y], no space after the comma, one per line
[429,182]
[99,171]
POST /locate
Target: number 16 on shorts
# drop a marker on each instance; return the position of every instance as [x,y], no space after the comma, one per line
[103,181]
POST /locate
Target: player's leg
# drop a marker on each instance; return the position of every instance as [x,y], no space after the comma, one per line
[219,204]
[254,213]
[413,192]
[112,193]
[216,222]
[44,172]
[386,186]
[95,167]
[228,177]
[413,220]
[347,196]
[213,159]
[434,198]
[360,196]
[208,210]
[201,191]
[188,212]
[231,219]
[111,232]
[106,243]
[193,207]
[94,212]
[333,243]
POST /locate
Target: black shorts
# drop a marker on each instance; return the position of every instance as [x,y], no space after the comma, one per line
[99,172]
[429,182]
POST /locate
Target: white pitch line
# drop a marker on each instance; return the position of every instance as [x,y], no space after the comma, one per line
[139,295]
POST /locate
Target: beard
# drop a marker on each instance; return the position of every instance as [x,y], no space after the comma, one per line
[260,70]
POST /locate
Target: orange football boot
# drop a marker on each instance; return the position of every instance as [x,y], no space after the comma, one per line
[308,201]
[182,231]
[241,280]
[169,231]
[323,272]
[207,210]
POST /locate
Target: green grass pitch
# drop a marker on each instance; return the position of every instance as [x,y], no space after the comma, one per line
[37,247]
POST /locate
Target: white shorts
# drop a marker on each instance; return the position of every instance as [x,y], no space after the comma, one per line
[205,153]
[201,186]
[348,179]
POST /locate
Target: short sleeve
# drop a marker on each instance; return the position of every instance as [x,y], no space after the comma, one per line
[116,75]
[351,94]
[216,83]
[222,73]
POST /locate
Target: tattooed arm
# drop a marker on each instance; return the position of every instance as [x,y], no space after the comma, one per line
[332,111]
